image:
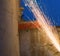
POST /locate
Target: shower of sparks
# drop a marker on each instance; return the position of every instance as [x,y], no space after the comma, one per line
[44,23]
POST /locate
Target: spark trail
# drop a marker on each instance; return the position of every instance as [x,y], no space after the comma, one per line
[44,23]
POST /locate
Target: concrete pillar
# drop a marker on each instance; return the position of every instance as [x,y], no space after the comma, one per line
[9,40]
[25,42]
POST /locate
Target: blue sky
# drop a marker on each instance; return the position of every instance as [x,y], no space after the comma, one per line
[51,9]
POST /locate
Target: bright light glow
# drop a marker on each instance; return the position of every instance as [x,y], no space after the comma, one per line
[44,23]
